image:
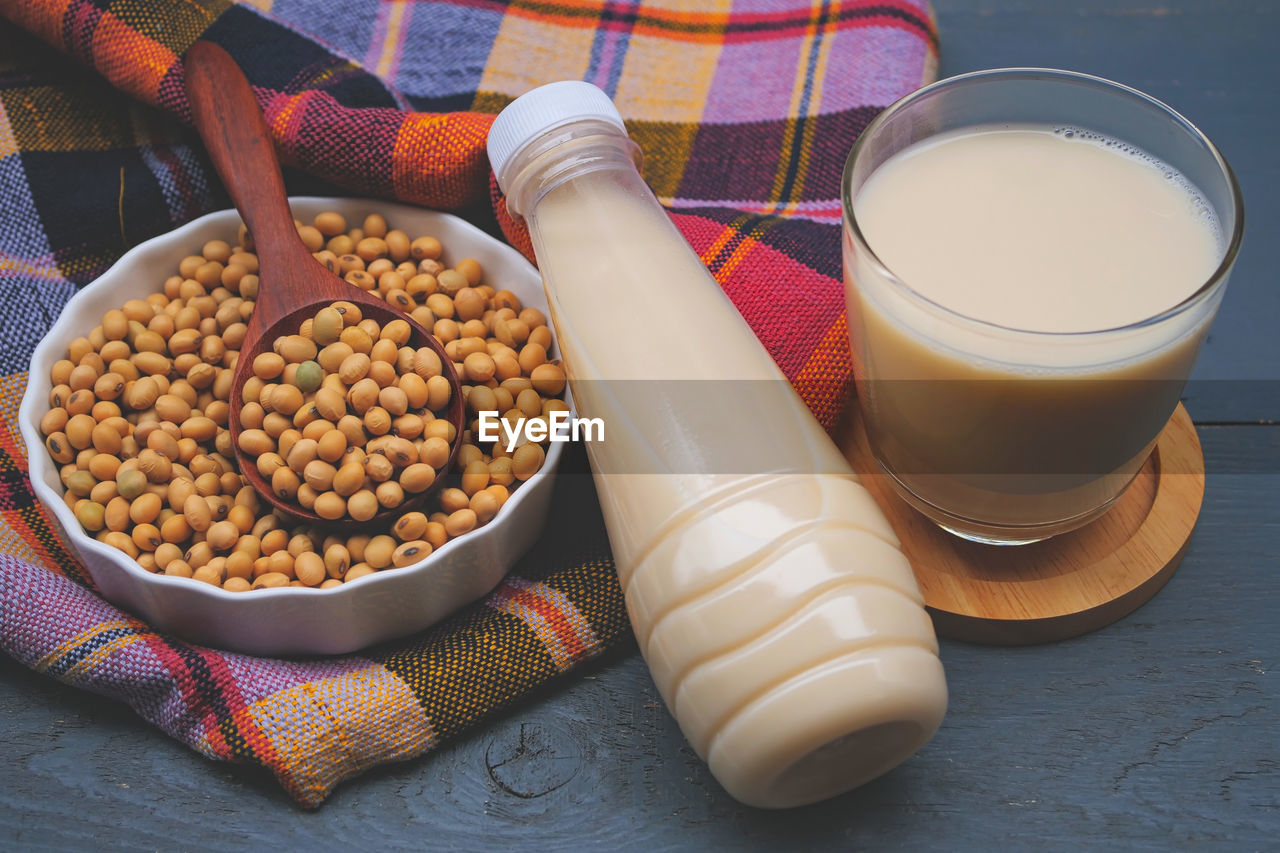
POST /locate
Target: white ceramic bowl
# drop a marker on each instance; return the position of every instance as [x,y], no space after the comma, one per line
[291,621]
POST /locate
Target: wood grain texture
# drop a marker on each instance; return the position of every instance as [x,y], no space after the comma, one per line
[1155,733]
[1064,586]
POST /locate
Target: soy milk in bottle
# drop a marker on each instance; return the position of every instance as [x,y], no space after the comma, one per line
[777,614]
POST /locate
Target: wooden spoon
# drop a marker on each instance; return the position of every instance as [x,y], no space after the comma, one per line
[292,285]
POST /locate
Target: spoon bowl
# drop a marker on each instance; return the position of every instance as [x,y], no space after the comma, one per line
[292,284]
[260,340]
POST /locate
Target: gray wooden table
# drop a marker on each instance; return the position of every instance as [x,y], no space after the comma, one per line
[1158,732]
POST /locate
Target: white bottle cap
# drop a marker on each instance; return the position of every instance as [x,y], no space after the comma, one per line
[540,110]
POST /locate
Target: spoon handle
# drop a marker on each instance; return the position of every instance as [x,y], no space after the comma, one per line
[226,113]
[227,116]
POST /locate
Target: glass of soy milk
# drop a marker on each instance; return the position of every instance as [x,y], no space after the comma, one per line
[1032,259]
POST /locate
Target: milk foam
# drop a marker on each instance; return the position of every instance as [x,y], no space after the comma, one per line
[1196,201]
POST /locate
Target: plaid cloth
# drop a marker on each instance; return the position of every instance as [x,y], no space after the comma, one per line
[745,110]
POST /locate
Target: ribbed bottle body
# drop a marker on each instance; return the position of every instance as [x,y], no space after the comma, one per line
[777,614]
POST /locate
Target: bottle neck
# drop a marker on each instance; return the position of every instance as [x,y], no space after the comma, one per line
[561,155]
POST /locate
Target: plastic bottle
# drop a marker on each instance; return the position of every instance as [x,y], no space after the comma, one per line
[779,618]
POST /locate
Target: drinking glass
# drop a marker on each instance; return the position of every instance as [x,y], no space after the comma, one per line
[1005,435]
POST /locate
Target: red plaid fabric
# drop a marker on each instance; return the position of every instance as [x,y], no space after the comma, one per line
[745,113]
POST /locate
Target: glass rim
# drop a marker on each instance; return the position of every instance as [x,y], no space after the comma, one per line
[1033,73]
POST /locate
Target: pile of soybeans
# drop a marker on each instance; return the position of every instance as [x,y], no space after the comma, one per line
[138,418]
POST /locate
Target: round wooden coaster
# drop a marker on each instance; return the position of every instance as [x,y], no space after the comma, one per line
[1061,587]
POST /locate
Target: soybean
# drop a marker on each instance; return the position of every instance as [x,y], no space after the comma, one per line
[139,412]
